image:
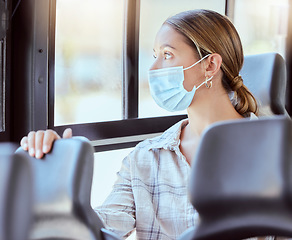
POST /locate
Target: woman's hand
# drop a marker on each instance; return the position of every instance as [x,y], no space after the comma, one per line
[39,143]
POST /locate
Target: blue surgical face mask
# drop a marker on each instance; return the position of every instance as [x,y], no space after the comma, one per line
[166,87]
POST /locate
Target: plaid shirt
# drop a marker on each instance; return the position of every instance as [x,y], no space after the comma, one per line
[150,193]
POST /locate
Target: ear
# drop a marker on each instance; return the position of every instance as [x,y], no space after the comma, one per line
[213,64]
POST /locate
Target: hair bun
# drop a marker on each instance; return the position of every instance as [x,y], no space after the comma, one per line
[236,83]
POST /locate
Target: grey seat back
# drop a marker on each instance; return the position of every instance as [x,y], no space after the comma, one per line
[15,194]
[62,183]
[265,76]
[241,181]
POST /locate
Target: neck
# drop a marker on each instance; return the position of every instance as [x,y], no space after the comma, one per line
[209,107]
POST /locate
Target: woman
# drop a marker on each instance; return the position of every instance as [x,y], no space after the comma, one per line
[198,56]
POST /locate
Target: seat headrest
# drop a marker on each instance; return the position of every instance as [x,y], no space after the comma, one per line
[62,183]
[265,76]
[15,194]
[241,179]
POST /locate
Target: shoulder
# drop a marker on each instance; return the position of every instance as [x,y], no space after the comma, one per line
[167,138]
[149,149]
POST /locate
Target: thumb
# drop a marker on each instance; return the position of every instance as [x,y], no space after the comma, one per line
[67,133]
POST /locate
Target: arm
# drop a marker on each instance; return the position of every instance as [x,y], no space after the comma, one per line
[118,210]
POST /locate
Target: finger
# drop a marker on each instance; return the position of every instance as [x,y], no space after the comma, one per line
[23,143]
[31,145]
[39,137]
[49,138]
[67,133]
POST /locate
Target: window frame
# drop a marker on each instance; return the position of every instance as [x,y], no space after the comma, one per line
[122,133]
[32,85]
[5,55]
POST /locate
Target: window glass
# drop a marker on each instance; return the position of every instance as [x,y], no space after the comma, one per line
[153,14]
[262,25]
[88,61]
[106,165]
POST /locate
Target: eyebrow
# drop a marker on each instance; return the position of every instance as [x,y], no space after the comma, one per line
[165,45]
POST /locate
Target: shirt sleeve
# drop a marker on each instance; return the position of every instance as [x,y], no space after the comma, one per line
[118,210]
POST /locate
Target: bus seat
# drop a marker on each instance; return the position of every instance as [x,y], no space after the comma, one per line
[15,194]
[62,182]
[241,181]
[265,76]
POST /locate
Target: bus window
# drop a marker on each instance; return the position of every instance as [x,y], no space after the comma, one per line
[88,48]
[262,25]
[90,76]
[159,11]
[88,57]
[106,165]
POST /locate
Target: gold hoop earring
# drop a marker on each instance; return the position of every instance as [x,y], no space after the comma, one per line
[206,82]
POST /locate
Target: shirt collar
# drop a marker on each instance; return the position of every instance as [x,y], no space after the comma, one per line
[252,116]
[171,137]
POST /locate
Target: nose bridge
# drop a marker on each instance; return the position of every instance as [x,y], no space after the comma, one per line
[156,64]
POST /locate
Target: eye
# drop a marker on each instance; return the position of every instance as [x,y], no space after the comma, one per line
[167,55]
[154,55]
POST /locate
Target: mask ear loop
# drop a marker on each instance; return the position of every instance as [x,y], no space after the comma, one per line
[206,77]
[196,62]
[206,83]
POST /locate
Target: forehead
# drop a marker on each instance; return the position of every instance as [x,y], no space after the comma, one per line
[167,36]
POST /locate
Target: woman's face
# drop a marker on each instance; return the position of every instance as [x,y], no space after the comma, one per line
[171,50]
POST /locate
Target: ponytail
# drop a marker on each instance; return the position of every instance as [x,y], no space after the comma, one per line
[245,102]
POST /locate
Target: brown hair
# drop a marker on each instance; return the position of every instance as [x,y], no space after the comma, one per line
[210,32]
